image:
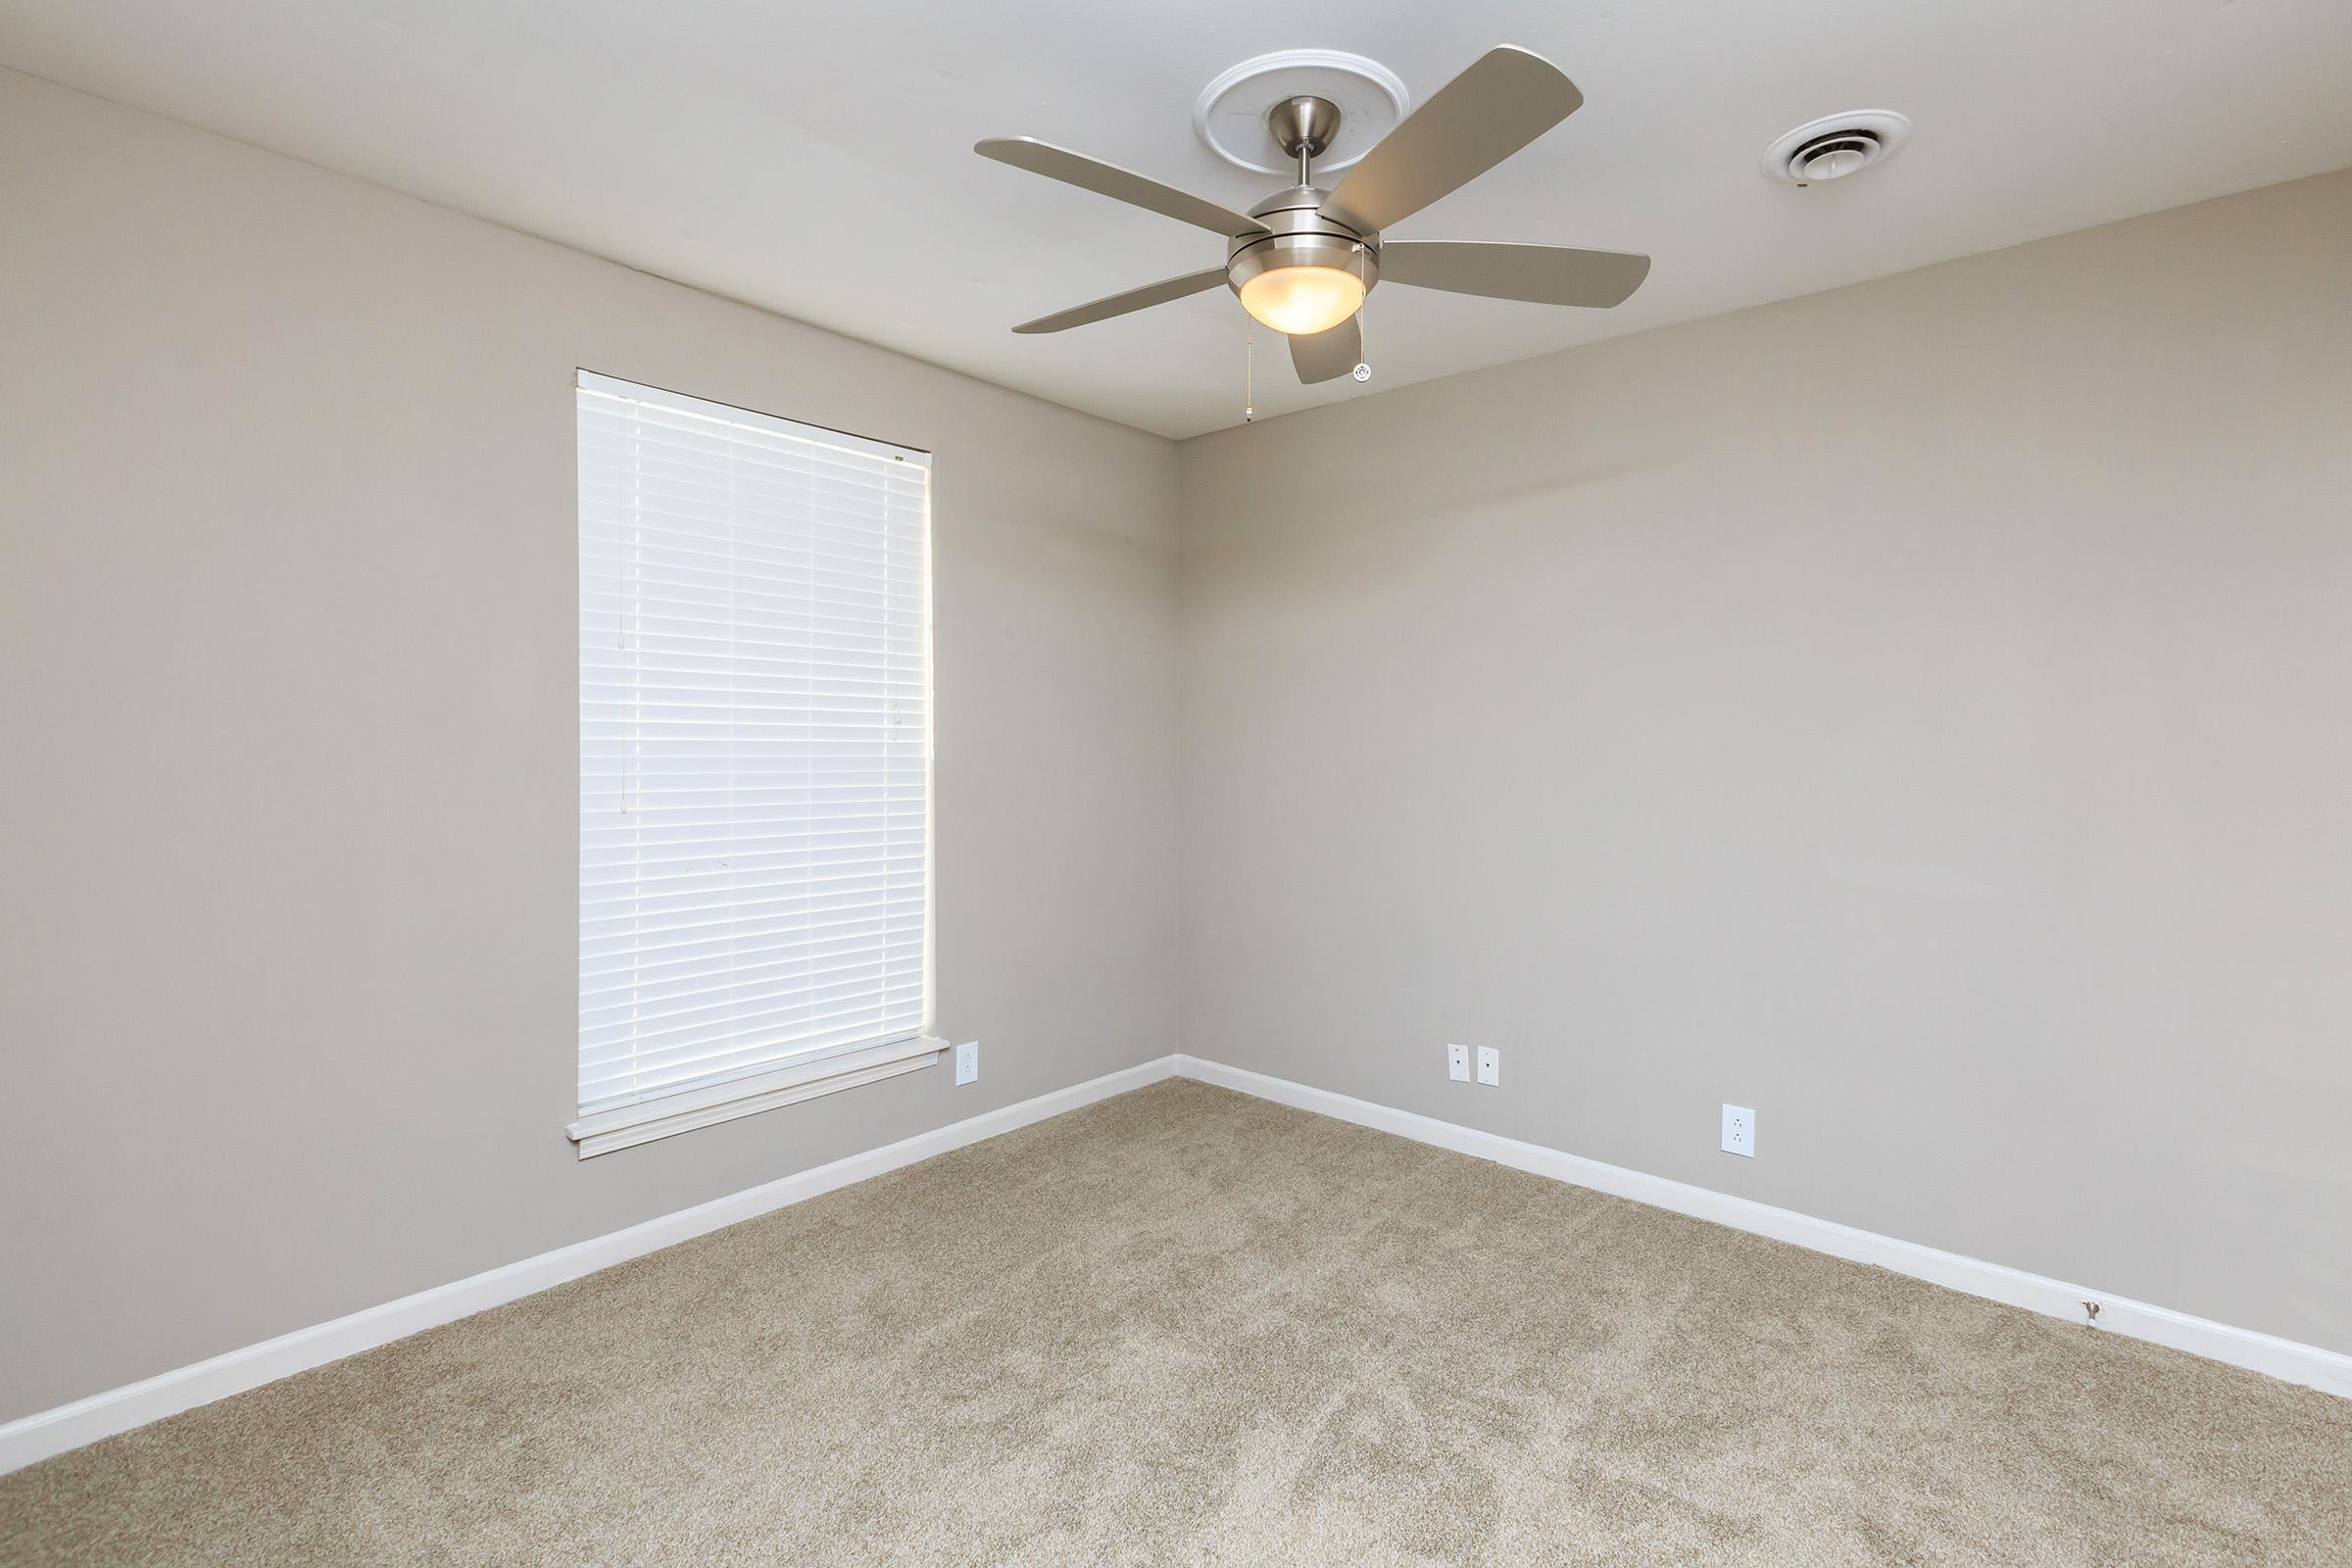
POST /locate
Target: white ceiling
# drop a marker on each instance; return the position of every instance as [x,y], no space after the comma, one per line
[817,158]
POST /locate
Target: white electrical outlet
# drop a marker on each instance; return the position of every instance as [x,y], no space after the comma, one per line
[1457,1063]
[1739,1131]
[967,1061]
[1489,1066]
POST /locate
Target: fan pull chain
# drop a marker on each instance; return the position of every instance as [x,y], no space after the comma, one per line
[1249,371]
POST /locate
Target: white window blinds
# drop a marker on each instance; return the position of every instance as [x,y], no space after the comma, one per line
[755,743]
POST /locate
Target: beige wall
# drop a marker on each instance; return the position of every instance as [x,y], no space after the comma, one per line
[1921,712]
[288,749]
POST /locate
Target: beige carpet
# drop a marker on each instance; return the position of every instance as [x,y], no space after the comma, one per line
[1188,1327]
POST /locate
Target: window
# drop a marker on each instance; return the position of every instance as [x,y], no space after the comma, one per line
[755,761]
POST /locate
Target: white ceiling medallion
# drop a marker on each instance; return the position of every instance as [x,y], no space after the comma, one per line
[1835,146]
[1230,114]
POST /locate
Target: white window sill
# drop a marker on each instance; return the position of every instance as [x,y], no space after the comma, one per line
[660,1117]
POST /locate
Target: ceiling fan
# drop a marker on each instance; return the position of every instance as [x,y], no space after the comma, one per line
[1303,259]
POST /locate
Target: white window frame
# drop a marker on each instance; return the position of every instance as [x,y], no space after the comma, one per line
[827,1069]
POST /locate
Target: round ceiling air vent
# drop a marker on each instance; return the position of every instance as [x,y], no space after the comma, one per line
[1835,146]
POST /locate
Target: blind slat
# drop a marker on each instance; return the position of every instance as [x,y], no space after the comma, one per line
[755,742]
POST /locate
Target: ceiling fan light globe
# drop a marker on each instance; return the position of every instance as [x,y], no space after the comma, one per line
[1301,301]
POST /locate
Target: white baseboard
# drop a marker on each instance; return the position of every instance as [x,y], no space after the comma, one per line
[2326,1370]
[37,1436]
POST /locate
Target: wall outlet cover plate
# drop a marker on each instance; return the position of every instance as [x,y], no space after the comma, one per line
[1739,1131]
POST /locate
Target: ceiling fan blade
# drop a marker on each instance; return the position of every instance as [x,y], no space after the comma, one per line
[1473,123]
[1547,274]
[1328,355]
[1134,299]
[1119,184]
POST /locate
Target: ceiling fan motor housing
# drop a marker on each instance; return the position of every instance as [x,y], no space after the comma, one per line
[1300,237]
